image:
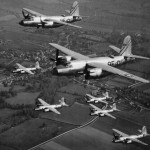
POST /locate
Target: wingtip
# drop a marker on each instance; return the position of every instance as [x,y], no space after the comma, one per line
[147,81]
[52,44]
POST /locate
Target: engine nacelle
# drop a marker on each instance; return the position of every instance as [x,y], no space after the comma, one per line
[46,110]
[128,141]
[47,24]
[95,72]
[22,71]
[64,59]
[101,115]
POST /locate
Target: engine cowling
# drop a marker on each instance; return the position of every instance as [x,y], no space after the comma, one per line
[101,115]
[95,72]
[22,71]
[64,59]
[128,141]
[46,110]
[47,24]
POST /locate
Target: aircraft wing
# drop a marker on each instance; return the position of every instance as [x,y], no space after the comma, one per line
[96,108]
[43,102]
[121,133]
[103,101]
[54,110]
[138,141]
[33,13]
[118,71]
[136,56]
[107,114]
[23,68]
[90,96]
[69,52]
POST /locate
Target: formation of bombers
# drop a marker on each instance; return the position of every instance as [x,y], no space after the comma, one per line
[75,63]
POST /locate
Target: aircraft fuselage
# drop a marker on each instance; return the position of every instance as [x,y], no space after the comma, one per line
[79,65]
[46,21]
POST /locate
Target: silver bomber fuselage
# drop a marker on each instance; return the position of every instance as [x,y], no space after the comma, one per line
[79,65]
[36,21]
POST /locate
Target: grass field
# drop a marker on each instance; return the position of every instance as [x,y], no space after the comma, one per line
[23,98]
[105,16]
[77,114]
[23,137]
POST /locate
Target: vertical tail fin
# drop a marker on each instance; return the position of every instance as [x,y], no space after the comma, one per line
[62,101]
[74,11]
[126,48]
[144,131]
[106,95]
[114,107]
[37,65]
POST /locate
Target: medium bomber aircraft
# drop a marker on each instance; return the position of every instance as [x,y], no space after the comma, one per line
[96,67]
[47,107]
[23,69]
[35,19]
[102,112]
[97,99]
[122,137]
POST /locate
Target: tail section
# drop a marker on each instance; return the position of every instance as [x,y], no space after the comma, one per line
[62,102]
[74,11]
[144,131]
[106,95]
[114,107]
[37,65]
[126,49]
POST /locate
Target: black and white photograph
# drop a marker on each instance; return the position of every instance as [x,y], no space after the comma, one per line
[74,75]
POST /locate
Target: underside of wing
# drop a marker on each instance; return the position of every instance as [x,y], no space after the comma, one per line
[28,71]
[136,56]
[138,141]
[107,114]
[33,13]
[118,71]
[93,106]
[69,52]
[54,110]
[120,133]
[43,102]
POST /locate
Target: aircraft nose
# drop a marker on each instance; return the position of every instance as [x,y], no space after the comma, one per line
[21,22]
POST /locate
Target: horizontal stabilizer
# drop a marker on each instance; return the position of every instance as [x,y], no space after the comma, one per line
[68,11]
[115,48]
[136,56]
[85,16]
